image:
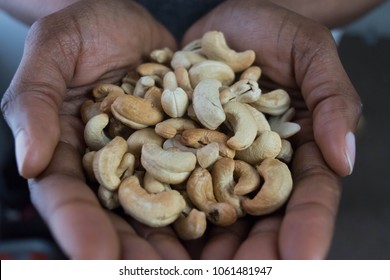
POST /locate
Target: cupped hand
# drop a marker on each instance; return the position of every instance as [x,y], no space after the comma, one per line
[299,55]
[66,54]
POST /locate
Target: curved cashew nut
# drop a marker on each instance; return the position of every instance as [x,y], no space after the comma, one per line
[101,91]
[240,119]
[286,151]
[152,69]
[105,105]
[186,59]
[174,143]
[151,185]
[135,111]
[261,121]
[108,163]
[275,190]
[252,73]
[170,127]
[174,100]
[162,56]
[245,91]
[199,137]
[155,210]
[171,167]
[142,85]
[87,162]
[139,137]
[274,103]
[94,135]
[223,184]
[109,199]
[200,192]
[211,69]
[89,109]
[207,105]
[267,145]
[248,178]
[214,46]
[192,225]
[208,155]
[183,81]
[282,125]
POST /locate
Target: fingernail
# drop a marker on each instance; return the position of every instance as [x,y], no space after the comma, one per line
[21,149]
[350,150]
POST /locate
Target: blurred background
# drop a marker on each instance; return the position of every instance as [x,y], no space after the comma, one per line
[363,222]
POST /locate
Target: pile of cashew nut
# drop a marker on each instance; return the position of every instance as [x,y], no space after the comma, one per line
[189,138]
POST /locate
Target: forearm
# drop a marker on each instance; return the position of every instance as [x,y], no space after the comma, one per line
[333,13]
[28,11]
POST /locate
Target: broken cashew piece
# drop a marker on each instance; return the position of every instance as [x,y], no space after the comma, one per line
[200,192]
[275,190]
[154,210]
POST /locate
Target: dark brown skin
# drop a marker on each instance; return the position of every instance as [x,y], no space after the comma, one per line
[99,42]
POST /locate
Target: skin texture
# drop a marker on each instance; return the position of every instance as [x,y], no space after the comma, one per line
[69,52]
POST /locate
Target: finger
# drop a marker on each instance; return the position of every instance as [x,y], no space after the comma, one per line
[71,209]
[262,241]
[223,242]
[308,225]
[163,240]
[31,104]
[132,246]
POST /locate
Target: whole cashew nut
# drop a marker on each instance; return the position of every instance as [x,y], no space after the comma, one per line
[171,167]
[94,135]
[207,105]
[200,192]
[214,46]
[275,190]
[154,210]
[211,69]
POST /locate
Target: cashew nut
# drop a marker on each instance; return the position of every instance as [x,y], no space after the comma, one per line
[200,192]
[223,184]
[214,46]
[208,155]
[171,167]
[192,225]
[245,91]
[109,199]
[108,163]
[207,105]
[274,103]
[170,127]
[151,185]
[211,69]
[162,56]
[186,59]
[101,91]
[199,137]
[174,99]
[155,210]
[261,121]
[139,137]
[241,121]
[89,109]
[94,135]
[267,145]
[252,73]
[135,111]
[152,69]
[275,190]
[282,125]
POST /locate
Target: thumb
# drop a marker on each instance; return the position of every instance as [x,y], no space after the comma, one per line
[336,109]
[31,106]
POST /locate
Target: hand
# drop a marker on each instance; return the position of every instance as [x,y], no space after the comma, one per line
[299,55]
[66,54]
